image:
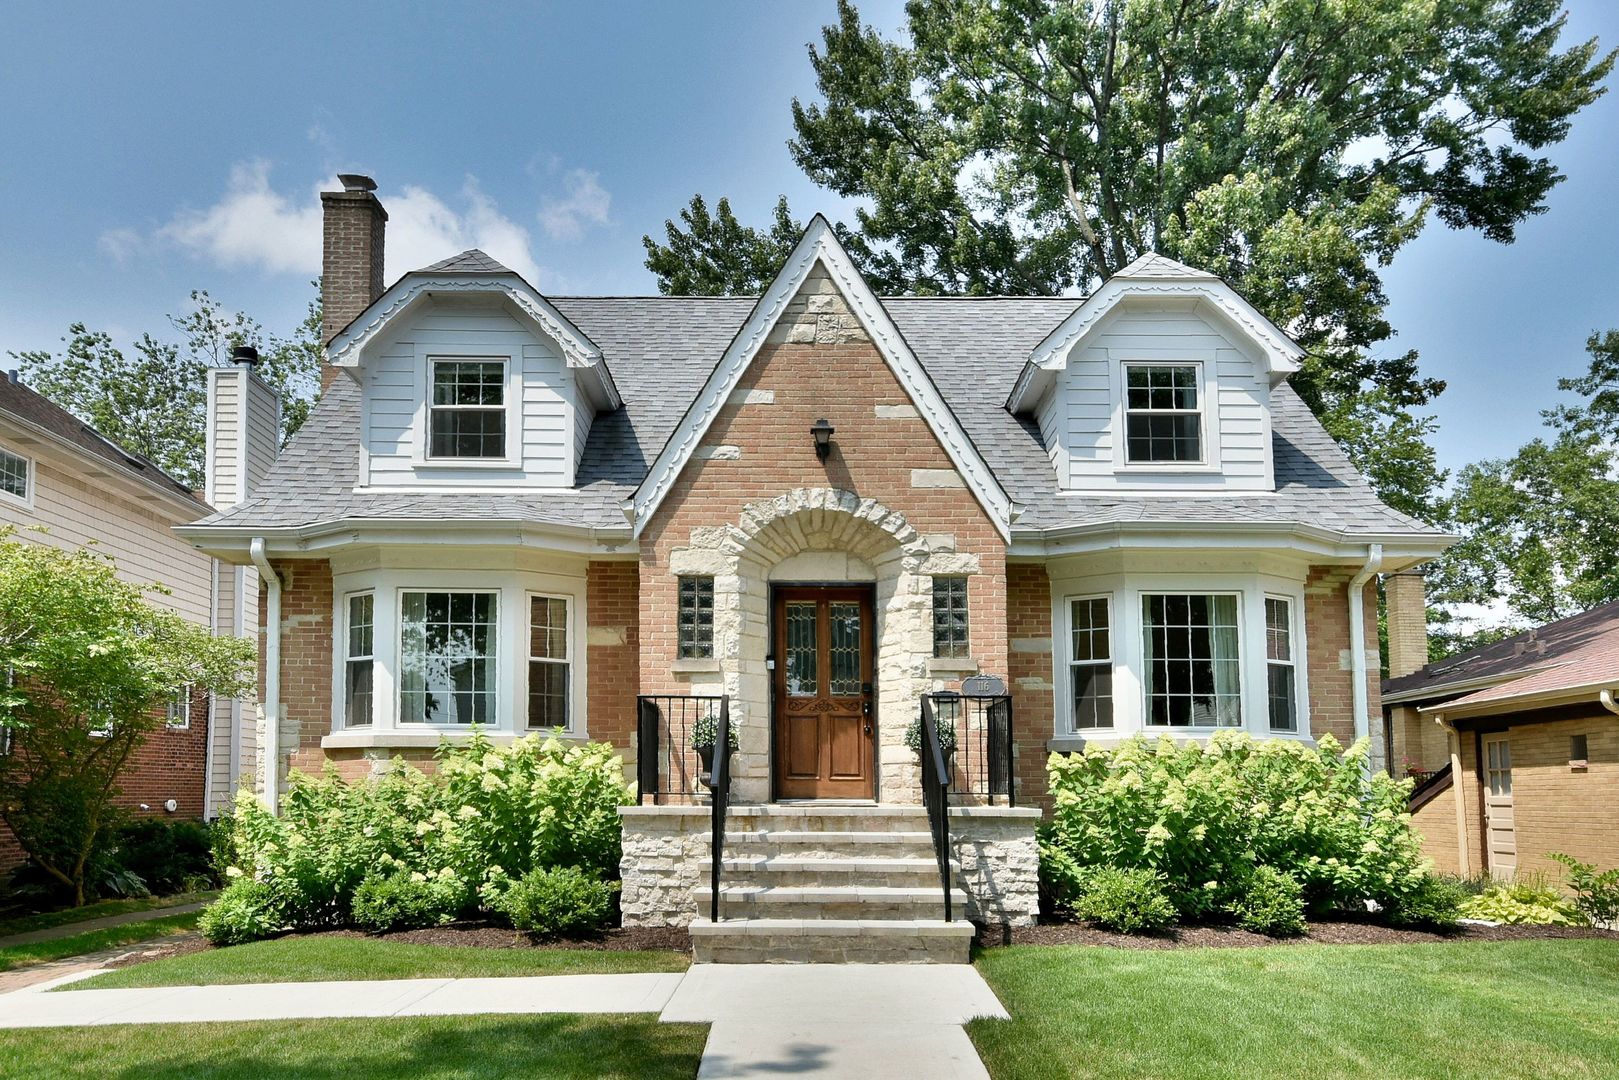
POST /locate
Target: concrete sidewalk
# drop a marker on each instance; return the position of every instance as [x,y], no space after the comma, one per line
[72,929]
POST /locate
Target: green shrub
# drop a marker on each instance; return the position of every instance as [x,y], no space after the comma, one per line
[222,853]
[1435,904]
[1596,895]
[1271,903]
[1527,899]
[1131,901]
[1205,814]
[1062,880]
[245,911]
[489,815]
[550,903]
[406,902]
[169,856]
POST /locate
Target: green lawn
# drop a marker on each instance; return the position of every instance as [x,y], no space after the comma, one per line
[24,924]
[1529,1009]
[94,940]
[319,959]
[422,1048]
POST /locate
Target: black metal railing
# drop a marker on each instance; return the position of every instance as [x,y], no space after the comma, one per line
[668,767]
[981,767]
[936,797]
[719,782]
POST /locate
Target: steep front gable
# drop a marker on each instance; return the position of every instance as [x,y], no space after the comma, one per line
[818,250]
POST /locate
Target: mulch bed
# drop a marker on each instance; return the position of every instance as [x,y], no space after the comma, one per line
[1343,932]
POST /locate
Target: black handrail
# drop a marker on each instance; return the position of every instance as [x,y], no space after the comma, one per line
[981,767]
[719,781]
[936,797]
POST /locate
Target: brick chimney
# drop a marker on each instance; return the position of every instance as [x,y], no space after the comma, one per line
[1407,601]
[353,222]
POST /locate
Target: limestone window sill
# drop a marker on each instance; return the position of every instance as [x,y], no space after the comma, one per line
[705,665]
[365,739]
[946,666]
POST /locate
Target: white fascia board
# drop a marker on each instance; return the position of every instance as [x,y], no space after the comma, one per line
[578,351]
[306,541]
[820,244]
[1282,353]
[1400,550]
[1534,699]
[186,509]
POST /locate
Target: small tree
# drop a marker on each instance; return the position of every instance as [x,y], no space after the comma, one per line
[88,661]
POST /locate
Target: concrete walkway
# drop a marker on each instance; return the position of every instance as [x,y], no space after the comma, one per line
[828,1020]
[67,930]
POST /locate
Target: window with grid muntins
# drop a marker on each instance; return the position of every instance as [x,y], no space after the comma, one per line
[447,657]
[468,414]
[1091,663]
[1163,421]
[548,667]
[359,663]
[177,711]
[13,474]
[696,618]
[950,617]
[1192,669]
[1280,672]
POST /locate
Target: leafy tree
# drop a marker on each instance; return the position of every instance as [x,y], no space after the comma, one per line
[1540,529]
[91,661]
[718,255]
[1030,146]
[152,399]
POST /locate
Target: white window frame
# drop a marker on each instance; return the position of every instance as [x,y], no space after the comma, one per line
[1291,662]
[181,695]
[30,481]
[1067,686]
[1205,458]
[511,365]
[570,641]
[346,621]
[495,676]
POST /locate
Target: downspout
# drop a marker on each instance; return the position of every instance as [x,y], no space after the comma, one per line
[1453,742]
[209,725]
[1357,639]
[1606,697]
[271,751]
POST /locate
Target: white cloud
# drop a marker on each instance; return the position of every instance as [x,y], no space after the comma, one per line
[585,204]
[253,225]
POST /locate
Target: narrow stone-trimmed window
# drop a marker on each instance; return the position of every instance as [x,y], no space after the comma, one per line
[359,661]
[549,670]
[696,618]
[1162,418]
[1091,663]
[177,711]
[14,475]
[468,413]
[950,617]
[1281,674]
[447,646]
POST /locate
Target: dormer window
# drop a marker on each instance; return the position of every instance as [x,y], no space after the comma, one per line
[1163,416]
[468,414]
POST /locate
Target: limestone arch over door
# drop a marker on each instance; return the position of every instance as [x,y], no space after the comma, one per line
[826,535]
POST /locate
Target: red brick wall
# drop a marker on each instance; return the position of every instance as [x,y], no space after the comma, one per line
[1028,630]
[306,658]
[612,629]
[1326,622]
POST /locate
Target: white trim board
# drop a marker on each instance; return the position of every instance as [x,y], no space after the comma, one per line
[820,245]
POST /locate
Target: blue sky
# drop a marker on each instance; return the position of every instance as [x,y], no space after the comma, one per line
[154,149]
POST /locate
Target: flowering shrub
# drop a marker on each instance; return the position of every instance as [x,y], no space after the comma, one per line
[1205,815]
[491,814]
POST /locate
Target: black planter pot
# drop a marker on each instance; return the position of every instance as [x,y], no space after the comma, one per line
[705,757]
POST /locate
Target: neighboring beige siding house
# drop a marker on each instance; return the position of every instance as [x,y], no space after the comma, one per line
[57,474]
[819,512]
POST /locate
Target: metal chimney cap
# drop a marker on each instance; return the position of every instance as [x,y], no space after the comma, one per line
[356,182]
[244,354]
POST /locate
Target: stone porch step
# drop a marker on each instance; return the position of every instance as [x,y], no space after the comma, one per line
[831,941]
[917,871]
[822,843]
[834,902]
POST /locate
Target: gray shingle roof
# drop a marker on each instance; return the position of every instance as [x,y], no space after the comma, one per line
[470,261]
[661,351]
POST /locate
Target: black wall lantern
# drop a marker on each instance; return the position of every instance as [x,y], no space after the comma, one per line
[823,438]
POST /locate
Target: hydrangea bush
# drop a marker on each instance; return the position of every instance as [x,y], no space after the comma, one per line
[1205,816]
[420,849]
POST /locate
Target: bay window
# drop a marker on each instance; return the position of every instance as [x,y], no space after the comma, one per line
[1091,663]
[1281,678]
[447,657]
[1191,668]
[358,663]
[549,674]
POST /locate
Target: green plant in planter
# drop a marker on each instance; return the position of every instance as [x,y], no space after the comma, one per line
[706,732]
[947,737]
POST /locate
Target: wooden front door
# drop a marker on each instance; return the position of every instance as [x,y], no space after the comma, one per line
[823,692]
[1501,839]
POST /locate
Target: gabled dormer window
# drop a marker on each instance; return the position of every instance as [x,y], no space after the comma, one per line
[467,417]
[1163,414]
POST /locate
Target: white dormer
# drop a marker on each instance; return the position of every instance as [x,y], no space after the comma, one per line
[471,379]
[1160,381]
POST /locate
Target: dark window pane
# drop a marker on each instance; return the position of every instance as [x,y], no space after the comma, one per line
[844,658]
[1283,707]
[547,694]
[1192,658]
[803,675]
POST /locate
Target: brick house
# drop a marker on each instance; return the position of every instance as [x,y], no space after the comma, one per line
[59,475]
[1517,741]
[613,515]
